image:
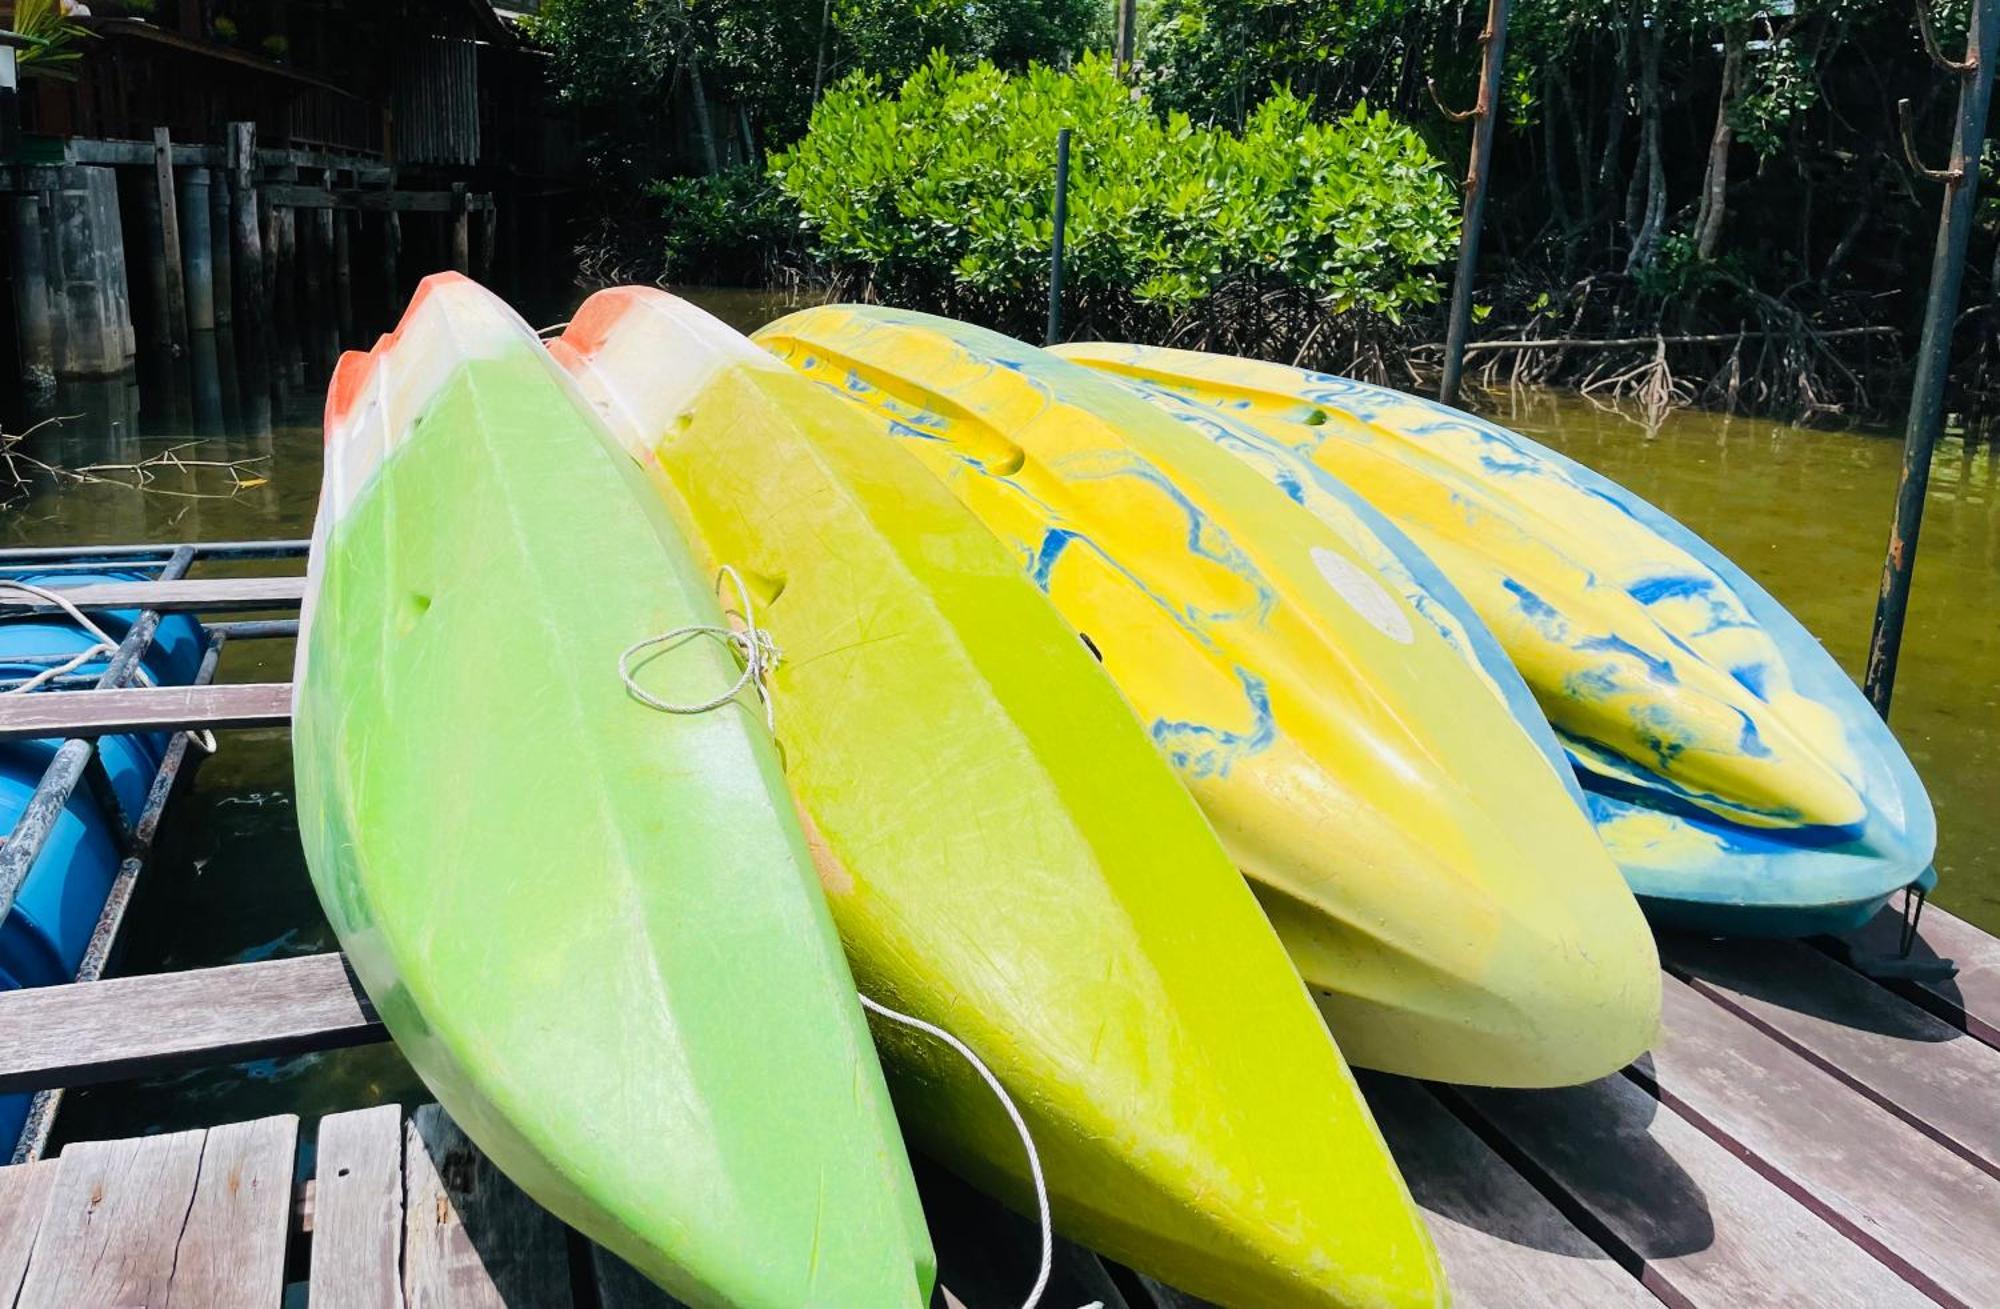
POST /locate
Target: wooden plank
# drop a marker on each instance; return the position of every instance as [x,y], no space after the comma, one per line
[206,594]
[619,1285]
[1698,1224]
[24,1197]
[144,709]
[471,1239]
[232,1247]
[290,196]
[132,1026]
[1910,1202]
[1969,1001]
[1928,1073]
[170,240]
[987,1254]
[113,1223]
[1502,1243]
[358,1212]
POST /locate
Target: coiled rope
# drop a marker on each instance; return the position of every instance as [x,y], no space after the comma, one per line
[758,651]
[104,648]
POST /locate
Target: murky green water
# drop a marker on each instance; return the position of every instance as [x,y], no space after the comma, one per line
[1806,512]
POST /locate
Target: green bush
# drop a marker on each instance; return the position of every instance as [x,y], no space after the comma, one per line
[732,227]
[940,194]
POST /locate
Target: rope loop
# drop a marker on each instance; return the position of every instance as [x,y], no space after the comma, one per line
[104,648]
[753,645]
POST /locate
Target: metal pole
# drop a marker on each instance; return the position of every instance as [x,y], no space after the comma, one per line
[1056,245]
[1484,114]
[1961,179]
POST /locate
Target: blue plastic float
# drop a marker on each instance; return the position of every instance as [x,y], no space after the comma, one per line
[44,938]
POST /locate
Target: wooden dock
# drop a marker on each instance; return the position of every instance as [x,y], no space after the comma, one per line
[1801,1134]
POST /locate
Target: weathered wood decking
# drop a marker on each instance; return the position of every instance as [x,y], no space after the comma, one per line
[1801,1134]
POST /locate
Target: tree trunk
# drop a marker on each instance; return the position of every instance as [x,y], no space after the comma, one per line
[704,126]
[1651,211]
[1715,182]
[819,57]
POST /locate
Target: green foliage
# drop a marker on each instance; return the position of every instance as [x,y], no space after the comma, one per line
[729,228]
[53,52]
[623,59]
[941,193]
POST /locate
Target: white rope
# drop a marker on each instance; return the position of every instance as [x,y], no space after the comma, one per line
[104,648]
[1020,1127]
[759,653]
[752,644]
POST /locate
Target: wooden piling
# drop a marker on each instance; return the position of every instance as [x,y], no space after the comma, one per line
[285,300]
[221,270]
[197,248]
[489,233]
[321,327]
[461,229]
[171,278]
[343,276]
[246,253]
[30,222]
[392,277]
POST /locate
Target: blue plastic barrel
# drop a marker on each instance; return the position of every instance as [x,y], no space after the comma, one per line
[43,940]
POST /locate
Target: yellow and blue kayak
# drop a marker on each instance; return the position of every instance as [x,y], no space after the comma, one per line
[1419,853]
[1734,771]
[1005,854]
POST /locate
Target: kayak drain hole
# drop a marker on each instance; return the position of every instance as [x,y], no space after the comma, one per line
[415,605]
[342,1172]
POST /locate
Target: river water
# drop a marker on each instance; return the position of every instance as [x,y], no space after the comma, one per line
[1804,511]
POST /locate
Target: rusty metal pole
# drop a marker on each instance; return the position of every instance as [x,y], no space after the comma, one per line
[1960,178]
[1056,245]
[1484,114]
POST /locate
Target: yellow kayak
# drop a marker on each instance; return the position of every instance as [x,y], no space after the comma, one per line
[1005,855]
[1423,860]
[1735,772]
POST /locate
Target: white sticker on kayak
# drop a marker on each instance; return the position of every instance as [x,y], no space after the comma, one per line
[1367,595]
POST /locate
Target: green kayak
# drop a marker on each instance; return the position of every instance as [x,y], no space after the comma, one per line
[593,927]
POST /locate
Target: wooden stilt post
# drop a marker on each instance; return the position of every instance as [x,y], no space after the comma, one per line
[488,235]
[1485,114]
[31,219]
[222,270]
[319,323]
[246,255]
[343,276]
[1961,179]
[197,249]
[392,274]
[461,230]
[285,300]
[172,279]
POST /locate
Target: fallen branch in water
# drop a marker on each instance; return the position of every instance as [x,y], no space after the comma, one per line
[18,468]
[1627,342]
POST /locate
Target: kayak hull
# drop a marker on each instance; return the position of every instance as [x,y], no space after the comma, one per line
[1418,851]
[1004,852]
[593,929]
[1732,768]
